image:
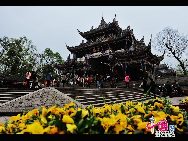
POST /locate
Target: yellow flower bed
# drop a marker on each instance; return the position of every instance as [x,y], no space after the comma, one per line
[123,118]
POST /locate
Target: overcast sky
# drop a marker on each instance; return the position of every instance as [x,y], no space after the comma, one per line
[52,27]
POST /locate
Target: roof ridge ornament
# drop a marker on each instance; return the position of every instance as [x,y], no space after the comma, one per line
[142,40]
[128,28]
[78,30]
[114,20]
[103,23]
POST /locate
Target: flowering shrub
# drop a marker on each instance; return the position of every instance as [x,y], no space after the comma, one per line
[123,118]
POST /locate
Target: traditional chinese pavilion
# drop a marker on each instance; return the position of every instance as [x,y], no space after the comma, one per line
[111,50]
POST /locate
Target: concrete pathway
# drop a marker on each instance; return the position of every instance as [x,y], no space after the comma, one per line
[176,100]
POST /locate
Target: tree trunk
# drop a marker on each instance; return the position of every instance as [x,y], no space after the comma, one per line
[182,64]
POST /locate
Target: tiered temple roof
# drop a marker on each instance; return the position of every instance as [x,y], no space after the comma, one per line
[109,39]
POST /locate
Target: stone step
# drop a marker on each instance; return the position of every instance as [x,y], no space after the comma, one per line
[119,100]
[88,93]
[84,102]
[90,98]
[17,92]
[121,95]
[130,96]
[7,97]
[96,95]
[80,99]
[114,98]
[107,99]
[108,102]
[111,96]
[99,100]
[3,100]
[100,97]
[91,101]
[80,96]
[5,94]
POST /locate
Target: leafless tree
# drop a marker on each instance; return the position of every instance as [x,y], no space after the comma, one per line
[173,44]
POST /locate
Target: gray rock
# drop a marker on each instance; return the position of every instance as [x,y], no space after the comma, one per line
[43,97]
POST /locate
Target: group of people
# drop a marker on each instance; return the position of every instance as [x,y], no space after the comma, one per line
[148,84]
[31,80]
[172,89]
[167,89]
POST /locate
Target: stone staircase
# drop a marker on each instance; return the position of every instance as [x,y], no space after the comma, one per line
[99,97]
[10,94]
[86,96]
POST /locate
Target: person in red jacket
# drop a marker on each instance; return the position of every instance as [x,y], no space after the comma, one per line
[127,80]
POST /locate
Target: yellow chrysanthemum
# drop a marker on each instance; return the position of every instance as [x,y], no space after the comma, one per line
[173,117]
[22,126]
[129,103]
[54,110]
[107,123]
[71,127]
[159,115]
[34,128]
[136,119]
[116,107]
[159,99]
[107,108]
[142,125]
[43,119]
[32,113]
[53,130]
[71,104]
[130,133]
[84,113]
[10,127]
[118,128]
[72,112]
[67,119]
[44,111]
[129,127]
[175,109]
[180,119]
[132,110]
[15,118]
[24,117]
[2,129]
[159,105]
[140,109]
[96,111]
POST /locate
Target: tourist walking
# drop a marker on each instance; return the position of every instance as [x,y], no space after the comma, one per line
[113,82]
[33,79]
[63,80]
[27,79]
[177,90]
[168,89]
[98,81]
[152,86]
[127,80]
[48,79]
[145,85]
